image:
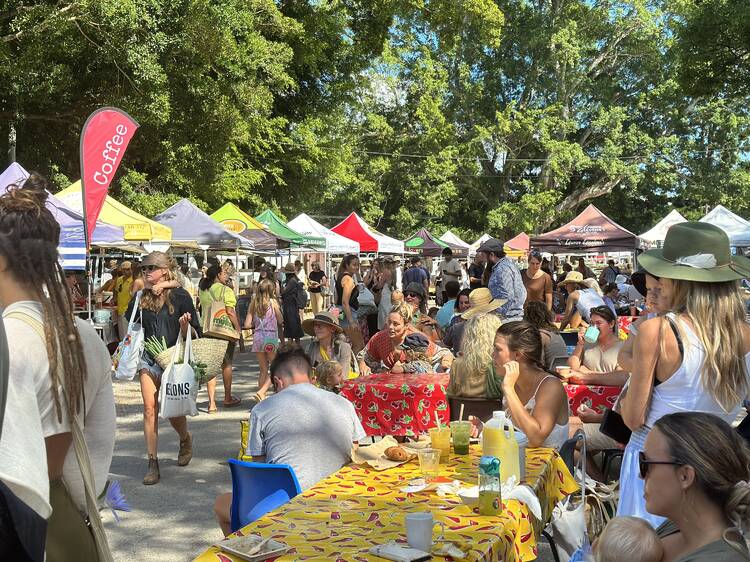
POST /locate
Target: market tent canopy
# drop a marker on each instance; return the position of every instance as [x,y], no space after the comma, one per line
[737,228]
[335,244]
[188,222]
[518,246]
[234,219]
[72,246]
[451,238]
[655,236]
[273,223]
[426,244]
[478,242]
[590,231]
[369,239]
[135,225]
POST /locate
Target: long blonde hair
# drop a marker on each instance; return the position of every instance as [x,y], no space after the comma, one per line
[262,298]
[717,314]
[478,341]
[154,303]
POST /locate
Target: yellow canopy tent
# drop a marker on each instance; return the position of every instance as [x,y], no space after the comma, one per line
[136,226]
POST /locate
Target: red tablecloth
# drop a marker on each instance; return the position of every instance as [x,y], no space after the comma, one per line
[624,322]
[596,397]
[398,404]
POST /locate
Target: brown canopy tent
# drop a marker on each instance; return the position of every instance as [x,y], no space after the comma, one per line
[591,231]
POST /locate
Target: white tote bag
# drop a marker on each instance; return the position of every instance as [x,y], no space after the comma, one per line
[569,518]
[128,355]
[179,387]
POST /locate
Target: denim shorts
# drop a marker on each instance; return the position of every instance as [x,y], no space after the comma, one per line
[150,365]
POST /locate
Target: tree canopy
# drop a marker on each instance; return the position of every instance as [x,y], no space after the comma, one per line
[474,115]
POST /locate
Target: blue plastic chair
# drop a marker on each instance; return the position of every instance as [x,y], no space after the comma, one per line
[258,488]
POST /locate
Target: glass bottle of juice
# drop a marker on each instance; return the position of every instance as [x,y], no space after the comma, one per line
[490,493]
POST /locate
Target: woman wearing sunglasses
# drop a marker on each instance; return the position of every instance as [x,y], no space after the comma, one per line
[696,358]
[164,313]
[695,470]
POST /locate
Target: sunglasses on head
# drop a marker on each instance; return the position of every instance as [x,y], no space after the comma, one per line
[643,464]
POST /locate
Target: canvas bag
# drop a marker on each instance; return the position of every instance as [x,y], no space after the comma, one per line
[218,324]
[568,523]
[95,526]
[127,357]
[179,386]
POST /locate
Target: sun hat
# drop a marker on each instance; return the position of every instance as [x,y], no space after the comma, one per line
[159,259]
[621,279]
[695,251]
[289,268]
[415,287]
[491,245]
[572,277]
[126,265]
[481,302]
[326,318]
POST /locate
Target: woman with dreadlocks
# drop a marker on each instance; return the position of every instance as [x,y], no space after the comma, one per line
[63,363]
[163,314]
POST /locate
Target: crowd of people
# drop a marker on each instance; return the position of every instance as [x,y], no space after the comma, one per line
[496,330]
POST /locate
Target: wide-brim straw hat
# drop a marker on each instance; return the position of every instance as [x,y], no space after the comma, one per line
[481,302]
[326,318]
[572,277]
[695,251]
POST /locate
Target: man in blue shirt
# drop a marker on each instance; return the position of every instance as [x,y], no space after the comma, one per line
[416,274]
[445,314]
[505,281]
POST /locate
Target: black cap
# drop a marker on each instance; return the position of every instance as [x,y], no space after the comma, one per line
[491,245]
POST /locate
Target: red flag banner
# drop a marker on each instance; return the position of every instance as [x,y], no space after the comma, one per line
[104,139]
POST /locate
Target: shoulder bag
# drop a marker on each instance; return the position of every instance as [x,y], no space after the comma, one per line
[218,323]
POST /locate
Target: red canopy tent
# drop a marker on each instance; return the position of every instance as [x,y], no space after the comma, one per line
[591,231]
[370,240]
[520,242]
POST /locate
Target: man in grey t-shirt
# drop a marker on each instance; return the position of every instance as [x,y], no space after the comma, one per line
[310,429]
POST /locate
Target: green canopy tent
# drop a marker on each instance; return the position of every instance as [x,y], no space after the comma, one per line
[278,227]
[236,220]
[426,244]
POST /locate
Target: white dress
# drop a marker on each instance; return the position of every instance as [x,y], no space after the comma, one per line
[682,392]
[384,306]
[559,433]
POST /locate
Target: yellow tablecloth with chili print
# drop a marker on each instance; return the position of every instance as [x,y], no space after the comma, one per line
[356,508]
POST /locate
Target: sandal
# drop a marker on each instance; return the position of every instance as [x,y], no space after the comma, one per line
[234,402]
[213,410]
[258,397]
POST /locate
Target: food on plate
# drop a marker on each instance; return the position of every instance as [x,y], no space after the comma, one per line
[397,453]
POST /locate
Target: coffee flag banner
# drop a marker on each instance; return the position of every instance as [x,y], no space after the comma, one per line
[104,139]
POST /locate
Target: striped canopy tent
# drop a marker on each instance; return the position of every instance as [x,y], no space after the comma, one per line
[273,223]
[355,228]
[72,246]
[426,244]
[238,221]
[136,226]
[335,244]
[518,246]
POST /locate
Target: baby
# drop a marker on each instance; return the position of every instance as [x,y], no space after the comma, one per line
[397,296]
[627,539]
[330,376]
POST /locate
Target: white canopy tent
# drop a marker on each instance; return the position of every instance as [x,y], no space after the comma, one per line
[473,247]
[450,238]
[335,243]
[655,236]
[737,228]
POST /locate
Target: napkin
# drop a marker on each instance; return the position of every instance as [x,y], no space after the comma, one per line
[374,455]
[523,494]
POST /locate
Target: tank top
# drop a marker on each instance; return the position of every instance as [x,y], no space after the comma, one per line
[683,391]
[267,325]
[588,299]
[559,433]
[353,299]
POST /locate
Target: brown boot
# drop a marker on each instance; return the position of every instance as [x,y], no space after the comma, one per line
[152,476]
[186,451]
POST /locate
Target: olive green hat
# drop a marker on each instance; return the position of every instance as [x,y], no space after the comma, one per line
[695,251]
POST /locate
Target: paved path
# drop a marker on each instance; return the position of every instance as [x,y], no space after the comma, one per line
[173,520]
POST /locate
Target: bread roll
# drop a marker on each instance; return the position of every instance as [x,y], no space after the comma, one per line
[397,454]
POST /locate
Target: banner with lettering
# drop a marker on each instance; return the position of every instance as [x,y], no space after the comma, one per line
[104,139]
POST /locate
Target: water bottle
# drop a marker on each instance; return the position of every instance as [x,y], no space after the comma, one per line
[490,493]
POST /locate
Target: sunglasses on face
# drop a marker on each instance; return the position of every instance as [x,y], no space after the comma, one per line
[149,268]
[643,464]
[409,294]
